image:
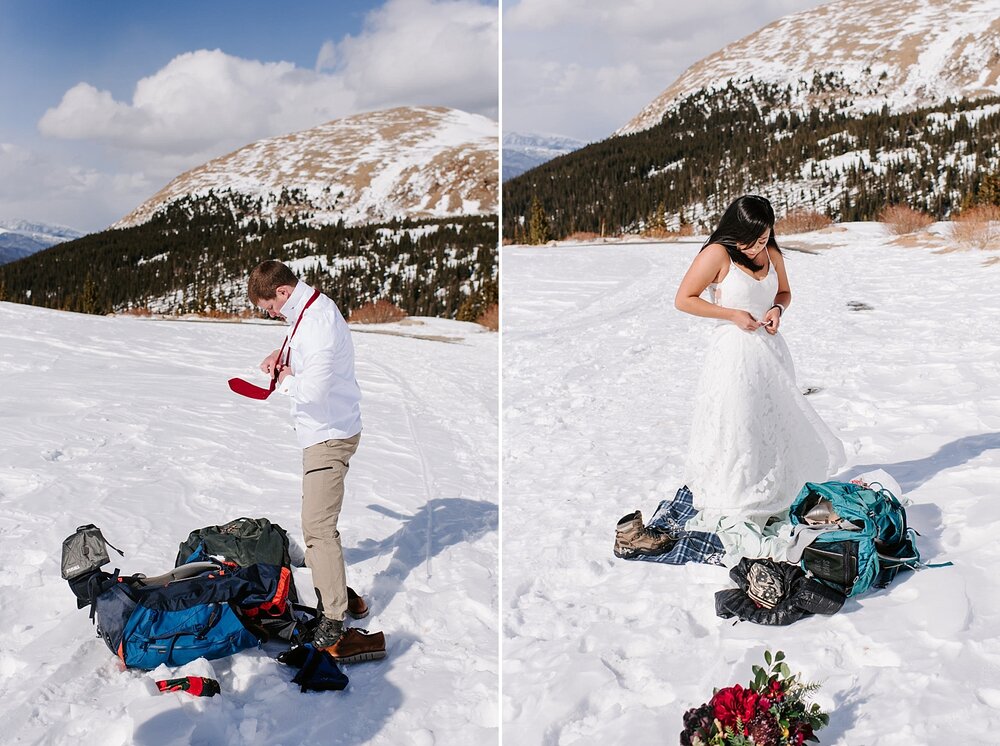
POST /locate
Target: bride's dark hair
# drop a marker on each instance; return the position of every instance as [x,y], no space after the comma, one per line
[742,223]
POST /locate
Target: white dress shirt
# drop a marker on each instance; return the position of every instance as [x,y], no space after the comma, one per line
[326,399]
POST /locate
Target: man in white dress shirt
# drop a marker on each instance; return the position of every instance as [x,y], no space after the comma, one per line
[315,371]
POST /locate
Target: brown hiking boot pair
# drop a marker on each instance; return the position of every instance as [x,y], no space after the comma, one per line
[633,539]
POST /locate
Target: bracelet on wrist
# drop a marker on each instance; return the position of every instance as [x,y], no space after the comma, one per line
[781,309]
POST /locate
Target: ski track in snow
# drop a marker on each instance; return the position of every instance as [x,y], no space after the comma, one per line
[129,424]
[597,380]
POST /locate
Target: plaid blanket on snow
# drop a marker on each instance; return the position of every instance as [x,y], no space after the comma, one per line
[691,546]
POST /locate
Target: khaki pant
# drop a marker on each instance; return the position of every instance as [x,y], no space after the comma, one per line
[324,467]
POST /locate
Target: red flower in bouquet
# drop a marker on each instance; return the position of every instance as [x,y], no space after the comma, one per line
[772,711]
[735,703]
[801,733]
[774,693]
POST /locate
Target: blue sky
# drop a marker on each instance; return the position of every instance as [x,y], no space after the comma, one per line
[47,46]
[102,103]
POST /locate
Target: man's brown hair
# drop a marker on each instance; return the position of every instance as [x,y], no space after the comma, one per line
[266,278]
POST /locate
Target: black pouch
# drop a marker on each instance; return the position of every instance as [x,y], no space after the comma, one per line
[835,562]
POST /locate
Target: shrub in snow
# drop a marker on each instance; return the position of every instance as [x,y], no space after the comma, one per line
[802,221]
[903,219]
[379,312]
[978,227]
[490,318]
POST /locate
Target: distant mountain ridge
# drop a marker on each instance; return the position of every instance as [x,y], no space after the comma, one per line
[21,238]
[844,110]
[523,152]
[904,54]
[403,163]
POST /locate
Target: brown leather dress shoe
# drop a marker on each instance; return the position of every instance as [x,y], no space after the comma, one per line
[356,606]
[356,645]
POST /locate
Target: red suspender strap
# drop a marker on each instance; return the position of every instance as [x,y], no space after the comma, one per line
[245,388]
[295,328]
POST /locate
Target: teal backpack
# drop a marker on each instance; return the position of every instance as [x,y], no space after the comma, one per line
[856,560]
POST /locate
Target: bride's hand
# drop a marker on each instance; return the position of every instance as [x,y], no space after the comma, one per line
[745,321]
[772,320]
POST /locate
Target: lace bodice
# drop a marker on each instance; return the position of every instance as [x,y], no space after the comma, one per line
[740,290]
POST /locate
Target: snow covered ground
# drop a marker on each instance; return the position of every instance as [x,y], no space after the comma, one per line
[598,372]
[128,423]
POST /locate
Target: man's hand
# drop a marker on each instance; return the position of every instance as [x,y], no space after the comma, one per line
[283,372]
[269,362]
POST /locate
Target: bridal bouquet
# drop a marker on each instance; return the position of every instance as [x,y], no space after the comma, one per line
[772,711]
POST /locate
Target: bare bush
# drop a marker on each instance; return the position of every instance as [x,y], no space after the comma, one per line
[977,227]
[580,236]
[137,311]
[666,234]
[903,219]
[379,312]
[658,232]
[490,318]
[215,313]
[802,221]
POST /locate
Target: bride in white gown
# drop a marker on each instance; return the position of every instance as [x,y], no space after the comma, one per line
[755,440]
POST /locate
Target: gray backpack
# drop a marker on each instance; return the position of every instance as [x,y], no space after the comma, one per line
[85,551]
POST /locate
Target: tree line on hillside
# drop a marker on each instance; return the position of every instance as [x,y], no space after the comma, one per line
[194,256]
[713,146]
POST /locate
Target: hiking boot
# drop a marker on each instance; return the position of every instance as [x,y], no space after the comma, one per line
[327,632]
[633,539]
[355,645]
[356,605]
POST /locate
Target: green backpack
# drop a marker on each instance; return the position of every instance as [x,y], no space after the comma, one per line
[856,560]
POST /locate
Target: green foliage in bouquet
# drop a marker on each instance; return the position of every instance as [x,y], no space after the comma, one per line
[772,711]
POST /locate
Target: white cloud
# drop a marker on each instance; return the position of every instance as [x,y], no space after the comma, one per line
[425,52]
[41,188]
[327,57]
[203,103]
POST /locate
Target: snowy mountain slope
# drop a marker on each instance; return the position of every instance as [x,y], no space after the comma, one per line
[522,152]
[19,238]
[900,53]
[418,162]
[129,424]
[599,371]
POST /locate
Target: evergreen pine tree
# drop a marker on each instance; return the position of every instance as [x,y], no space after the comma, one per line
[989,190]
[538,224]
[88,298]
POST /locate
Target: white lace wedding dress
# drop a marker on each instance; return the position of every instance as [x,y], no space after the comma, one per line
[755,440]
